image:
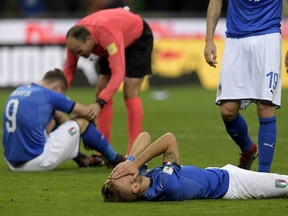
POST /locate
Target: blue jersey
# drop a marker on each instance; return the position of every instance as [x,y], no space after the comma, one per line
[253,17]
[175,183]
[28,110]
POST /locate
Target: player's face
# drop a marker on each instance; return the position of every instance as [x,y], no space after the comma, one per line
[124,185]
[80,48]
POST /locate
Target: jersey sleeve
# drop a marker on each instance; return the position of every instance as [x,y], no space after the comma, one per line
[113,43]
[60,102]
[70,66]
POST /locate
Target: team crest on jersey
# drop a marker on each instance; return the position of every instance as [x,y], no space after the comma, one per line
[280,183]
[72,131]
[168,170]
[112,49]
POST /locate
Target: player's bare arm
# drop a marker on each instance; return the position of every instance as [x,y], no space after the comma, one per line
[60,118]
[84,111]
[95,108]
[169,157]
[164,144]
[140,144]
[213,15]
[127,167]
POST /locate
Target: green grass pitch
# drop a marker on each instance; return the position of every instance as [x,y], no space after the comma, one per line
[189,112]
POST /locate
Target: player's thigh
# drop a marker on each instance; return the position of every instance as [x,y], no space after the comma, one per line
[265,109]
[61,145]
[229,109]
[234,81]
[234,72]
[266,68]
[246,184]
[138,55]
[132,87]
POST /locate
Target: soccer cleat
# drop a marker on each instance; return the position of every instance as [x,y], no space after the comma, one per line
[90,161]
[247,158]
[119,158]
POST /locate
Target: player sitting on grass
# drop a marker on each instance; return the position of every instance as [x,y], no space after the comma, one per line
[30,114]
[174,182]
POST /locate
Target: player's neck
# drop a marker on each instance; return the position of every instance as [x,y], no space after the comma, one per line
[144,184]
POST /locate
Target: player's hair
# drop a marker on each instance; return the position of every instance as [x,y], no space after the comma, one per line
[78,32]
[110,193]
[54,76]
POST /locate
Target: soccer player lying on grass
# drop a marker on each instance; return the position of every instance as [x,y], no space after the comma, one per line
[30,114]
[174,182]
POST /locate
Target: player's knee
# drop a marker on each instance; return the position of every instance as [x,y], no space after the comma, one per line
[228,113]
[131,87]
[83,123]
[266,110]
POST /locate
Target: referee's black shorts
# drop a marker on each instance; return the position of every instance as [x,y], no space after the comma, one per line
[137,56]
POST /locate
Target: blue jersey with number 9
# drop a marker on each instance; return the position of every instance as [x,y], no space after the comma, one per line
[27,112]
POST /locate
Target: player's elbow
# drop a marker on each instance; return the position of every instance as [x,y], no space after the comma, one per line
[146,135]
[170,135]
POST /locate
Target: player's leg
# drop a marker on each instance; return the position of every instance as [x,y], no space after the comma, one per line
[134,108]
[138,65]
[104,120]
[266,135]
[267,86]
[62,144]
[237,128]
[95,140]
[246,184]
[234,93]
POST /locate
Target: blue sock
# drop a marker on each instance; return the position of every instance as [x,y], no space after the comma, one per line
[238,131]
[266,143]
[95,140]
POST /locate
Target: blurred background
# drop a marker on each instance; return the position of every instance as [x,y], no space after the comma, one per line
[32,39]
[79,8]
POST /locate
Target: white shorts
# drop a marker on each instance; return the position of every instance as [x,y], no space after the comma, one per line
[251,70]
[245,184]
[61,145]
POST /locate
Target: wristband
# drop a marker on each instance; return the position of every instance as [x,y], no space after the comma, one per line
[169,163]
[101,102]
[130,158]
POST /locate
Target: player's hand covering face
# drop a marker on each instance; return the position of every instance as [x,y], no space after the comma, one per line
[123,169]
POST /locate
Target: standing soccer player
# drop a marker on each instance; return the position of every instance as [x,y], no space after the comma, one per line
[124,42]
[250,72]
